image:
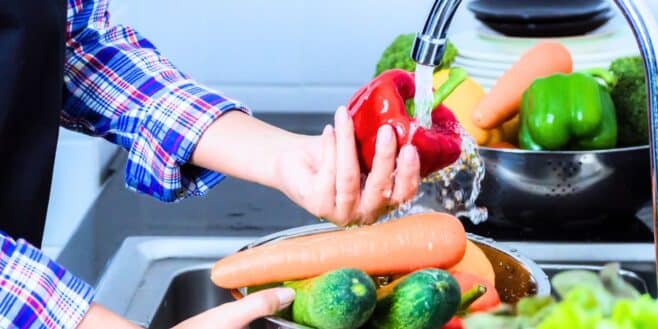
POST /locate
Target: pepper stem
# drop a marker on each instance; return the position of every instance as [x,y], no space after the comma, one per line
[608,77]
[455,78]
[470,296]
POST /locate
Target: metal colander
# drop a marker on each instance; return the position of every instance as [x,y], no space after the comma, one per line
[534,189]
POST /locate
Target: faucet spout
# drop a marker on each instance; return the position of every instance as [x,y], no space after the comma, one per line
[430,44]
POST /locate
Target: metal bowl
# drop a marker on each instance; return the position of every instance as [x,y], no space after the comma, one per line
[541,188]
[516,275]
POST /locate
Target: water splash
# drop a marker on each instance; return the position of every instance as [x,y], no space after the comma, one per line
[424,97]
[453,189]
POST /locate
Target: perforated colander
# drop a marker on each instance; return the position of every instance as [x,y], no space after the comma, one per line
[533,189]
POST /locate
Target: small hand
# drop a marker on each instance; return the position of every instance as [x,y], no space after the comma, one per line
[239,314]
[323,174]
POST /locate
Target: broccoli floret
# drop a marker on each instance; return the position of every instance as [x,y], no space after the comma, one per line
[630,98]
[398,55]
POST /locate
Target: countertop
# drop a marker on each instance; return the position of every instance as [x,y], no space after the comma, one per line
[232,208]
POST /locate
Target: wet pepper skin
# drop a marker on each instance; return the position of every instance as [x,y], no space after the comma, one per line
[381,102]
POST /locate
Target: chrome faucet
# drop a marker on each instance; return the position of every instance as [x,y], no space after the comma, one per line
[430,45]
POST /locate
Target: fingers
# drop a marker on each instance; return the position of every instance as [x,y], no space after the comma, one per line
[348,175]
[379,185]
[407,178]
[240,314]
[325,188]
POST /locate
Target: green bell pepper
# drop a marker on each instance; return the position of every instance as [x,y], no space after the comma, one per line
[569,111]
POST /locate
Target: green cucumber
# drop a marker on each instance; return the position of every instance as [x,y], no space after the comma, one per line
[425,299]
[340,299]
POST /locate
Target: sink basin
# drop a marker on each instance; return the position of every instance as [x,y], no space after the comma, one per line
[158,282]
[191,293]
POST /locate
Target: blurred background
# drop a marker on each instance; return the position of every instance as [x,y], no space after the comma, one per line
[275,56]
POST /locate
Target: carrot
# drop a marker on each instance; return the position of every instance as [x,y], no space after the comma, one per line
[475,262]
[503,100]
[503,145]
[488,301]
[400,246]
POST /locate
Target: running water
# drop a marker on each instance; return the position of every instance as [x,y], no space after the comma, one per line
[424,98]
[454,189]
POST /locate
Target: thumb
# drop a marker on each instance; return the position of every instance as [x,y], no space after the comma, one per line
[240,313]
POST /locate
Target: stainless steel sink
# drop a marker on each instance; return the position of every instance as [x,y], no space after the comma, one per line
[158,282]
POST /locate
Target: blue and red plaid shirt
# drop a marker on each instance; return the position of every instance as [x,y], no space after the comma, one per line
[118,87]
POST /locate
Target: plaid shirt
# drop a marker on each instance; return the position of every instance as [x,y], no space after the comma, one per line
[118,87]
[35,292]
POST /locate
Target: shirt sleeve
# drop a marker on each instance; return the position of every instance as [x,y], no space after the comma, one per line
[35,292]
[118,86]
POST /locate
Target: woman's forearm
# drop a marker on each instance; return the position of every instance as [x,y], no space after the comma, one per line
[100,317]
[244,147]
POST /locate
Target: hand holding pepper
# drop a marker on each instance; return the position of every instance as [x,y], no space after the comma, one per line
[384,102]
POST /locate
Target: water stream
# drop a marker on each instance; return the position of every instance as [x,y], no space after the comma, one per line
[453,189]
[424,97]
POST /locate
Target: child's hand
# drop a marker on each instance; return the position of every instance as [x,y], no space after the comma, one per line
[234,315]
[324,177]
[239,314]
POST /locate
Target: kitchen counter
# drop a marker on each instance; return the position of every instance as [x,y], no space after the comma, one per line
[233,208]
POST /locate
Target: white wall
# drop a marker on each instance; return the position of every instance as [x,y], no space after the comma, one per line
[285,55]
[281,55]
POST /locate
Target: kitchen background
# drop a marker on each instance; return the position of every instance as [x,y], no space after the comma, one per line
[276,56]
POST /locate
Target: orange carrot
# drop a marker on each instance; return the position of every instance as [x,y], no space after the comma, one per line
[503,100]
[503,145]
[475,262]
[399,246]
[488,301]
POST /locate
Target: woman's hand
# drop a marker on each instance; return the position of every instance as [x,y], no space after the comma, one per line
[323,175]
[233,315]
[320,173]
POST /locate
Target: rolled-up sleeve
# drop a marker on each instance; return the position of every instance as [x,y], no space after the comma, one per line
[120,87]
[37,293]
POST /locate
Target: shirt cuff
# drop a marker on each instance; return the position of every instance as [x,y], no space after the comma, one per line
[158,161]
[35,292]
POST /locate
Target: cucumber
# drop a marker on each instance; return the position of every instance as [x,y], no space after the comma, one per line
[340,299]
[425,299]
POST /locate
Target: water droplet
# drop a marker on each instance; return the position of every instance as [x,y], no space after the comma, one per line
[453,189]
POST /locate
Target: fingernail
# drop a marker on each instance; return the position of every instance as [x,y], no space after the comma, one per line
[328,129]
[286,296]
[384,135]
[409,153]
[341,114]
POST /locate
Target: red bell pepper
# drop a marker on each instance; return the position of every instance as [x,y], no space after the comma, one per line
[382,101]
[469,297]
[454,323]
[486,302]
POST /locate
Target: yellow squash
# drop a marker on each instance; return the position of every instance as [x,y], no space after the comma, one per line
[463,101]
